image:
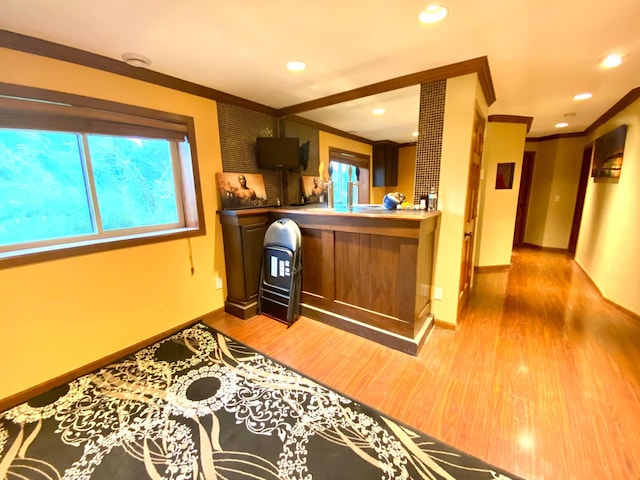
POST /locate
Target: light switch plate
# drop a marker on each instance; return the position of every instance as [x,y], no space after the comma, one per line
[218,283]
[437,293]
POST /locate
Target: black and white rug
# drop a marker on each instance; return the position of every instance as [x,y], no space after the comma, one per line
[200,406]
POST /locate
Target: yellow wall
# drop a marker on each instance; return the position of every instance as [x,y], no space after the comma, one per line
[496,220]
[610,230]
[540,190]
[564,188]
[59,315]
[378,193]
[406,176]
[462,93]
[553,191]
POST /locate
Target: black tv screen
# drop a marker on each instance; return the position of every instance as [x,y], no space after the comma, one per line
[273,153]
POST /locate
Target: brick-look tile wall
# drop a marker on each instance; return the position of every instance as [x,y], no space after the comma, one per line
[429,145]
[239,128]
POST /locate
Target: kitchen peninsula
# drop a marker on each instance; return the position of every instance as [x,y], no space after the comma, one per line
[366,270]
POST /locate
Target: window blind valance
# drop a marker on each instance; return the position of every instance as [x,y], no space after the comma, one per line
[41,115]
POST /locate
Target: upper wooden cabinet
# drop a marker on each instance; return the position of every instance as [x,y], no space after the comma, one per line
[385,164]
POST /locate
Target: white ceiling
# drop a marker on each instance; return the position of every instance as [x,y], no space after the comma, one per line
[541,53]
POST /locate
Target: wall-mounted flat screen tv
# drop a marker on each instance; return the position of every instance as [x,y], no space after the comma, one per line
[278,153]
[608,153]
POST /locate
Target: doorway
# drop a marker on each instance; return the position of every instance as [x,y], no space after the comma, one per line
[585,168]
[345,166]
[526,178]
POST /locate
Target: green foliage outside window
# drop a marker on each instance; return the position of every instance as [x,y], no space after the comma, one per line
[46,190]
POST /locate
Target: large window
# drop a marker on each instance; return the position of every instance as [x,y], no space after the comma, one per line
[76,178]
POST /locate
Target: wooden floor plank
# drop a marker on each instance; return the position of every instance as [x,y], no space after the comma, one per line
[541,376]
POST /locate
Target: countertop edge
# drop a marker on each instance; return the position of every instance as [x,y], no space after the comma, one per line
[415,215]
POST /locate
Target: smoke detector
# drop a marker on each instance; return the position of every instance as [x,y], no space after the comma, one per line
[136,60]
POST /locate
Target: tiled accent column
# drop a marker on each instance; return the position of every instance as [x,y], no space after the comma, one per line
[429,145]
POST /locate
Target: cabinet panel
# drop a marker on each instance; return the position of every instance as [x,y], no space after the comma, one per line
[385,164]
[252,247]
[243,238]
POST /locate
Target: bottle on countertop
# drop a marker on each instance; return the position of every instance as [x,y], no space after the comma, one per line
[432,200]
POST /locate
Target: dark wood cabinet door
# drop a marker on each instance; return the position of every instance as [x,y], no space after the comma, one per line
[243,238]
[385,164]
[252,247]
[391,176]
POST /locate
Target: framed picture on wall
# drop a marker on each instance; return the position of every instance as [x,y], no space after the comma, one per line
[313,189]
[504,176]
[241,190]
[608,154]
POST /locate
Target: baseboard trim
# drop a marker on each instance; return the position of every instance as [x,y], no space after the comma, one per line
[23,396]
[492,268]
[545,249]
[633,315]
[384,337]
[445,325]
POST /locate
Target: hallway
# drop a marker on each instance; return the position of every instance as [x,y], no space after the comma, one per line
[541,376]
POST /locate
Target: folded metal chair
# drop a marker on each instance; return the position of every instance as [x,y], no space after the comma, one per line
[281,275]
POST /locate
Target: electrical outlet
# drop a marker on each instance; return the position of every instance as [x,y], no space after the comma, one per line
[437,293]
[218,283]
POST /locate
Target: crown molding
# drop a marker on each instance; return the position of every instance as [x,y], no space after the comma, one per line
[620,105]
[478,65]
[557,136]
[327,128]
[511,119]
[44,48]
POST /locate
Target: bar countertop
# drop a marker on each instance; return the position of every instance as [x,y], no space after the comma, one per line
[365,210]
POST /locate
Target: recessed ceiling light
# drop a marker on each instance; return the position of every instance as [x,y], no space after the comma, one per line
[296,66]
[611,61]
[562,125]
[583,96]
[433,14]
[570,114]
[136,60]
[414,134]
[378,111]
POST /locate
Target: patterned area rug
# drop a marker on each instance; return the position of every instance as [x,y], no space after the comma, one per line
[199,405]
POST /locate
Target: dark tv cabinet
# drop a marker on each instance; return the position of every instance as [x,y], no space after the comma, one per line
[243,236]
[385,164]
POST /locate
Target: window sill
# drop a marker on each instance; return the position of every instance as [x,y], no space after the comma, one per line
[55,252]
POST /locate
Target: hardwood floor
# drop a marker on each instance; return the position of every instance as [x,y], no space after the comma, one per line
[541,376]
